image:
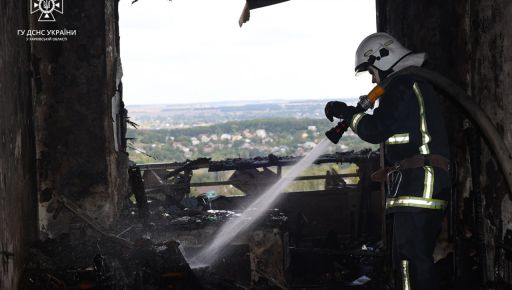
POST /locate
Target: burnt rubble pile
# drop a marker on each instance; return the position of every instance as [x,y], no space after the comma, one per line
[95,263]
[150,255]
[315,239]
[86,260]
[145,254]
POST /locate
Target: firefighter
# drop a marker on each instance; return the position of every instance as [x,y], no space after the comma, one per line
[408,121]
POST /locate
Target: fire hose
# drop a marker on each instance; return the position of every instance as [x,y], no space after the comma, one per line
[480,118]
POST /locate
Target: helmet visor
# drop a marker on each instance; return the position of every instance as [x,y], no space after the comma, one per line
[363,67]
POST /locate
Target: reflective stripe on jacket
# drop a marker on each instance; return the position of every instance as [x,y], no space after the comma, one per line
[409,122]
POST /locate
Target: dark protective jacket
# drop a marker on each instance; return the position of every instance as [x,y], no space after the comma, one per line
[409,122]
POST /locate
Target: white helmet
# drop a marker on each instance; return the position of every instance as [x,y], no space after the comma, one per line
[380,50]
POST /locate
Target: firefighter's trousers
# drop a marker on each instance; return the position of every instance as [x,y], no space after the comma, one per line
[414,239]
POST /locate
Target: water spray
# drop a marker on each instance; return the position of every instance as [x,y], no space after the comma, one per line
[255,210]
[260,206]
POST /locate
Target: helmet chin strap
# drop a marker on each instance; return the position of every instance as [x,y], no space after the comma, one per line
[384,74]
[400,59]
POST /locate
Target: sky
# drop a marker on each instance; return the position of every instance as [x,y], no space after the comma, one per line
[193,51]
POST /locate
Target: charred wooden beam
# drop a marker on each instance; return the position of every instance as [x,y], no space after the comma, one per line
[137,188]
[227,182]
[260,162]
[189,166]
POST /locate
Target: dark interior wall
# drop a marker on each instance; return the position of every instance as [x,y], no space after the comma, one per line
[490,74]
[61,125]
[77,113]
[68,91]
[77,116]
[469,42]
[18,210]
[117,157]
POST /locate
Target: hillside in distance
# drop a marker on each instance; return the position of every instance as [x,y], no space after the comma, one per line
[236,139]
[171,133]
[189,115]
[230,130]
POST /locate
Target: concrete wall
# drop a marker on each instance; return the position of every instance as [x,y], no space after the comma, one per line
[469,42]
[17,162]
[80,149]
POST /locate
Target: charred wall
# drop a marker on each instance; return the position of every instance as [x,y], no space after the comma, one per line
[18,210]
[78,116]
[470,43]
[61,124]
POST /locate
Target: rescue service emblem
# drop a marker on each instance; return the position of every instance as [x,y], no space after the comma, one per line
[47,8]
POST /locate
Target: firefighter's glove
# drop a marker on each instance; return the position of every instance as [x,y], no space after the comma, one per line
[339,110]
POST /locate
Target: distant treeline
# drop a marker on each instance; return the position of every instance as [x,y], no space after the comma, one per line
[275,125]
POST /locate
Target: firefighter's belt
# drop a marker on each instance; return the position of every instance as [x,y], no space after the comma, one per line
[416,161]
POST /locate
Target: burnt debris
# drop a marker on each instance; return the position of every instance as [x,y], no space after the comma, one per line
[310,240]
